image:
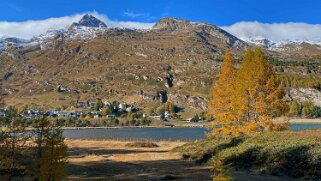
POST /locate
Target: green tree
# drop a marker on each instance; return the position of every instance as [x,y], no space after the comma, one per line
[15,140]
[98,105]
[295,108]
[307,109]
[53,160]
[41,131]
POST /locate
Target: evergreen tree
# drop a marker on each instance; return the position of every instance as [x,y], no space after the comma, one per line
[295,108]
[53,160]
[41,131]
[98,105]
[14,142]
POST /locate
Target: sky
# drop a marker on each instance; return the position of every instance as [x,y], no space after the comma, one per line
[244,18]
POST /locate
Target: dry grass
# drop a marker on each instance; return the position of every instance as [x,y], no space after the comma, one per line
[115,160]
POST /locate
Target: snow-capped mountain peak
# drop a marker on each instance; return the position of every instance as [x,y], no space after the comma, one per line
[90,21]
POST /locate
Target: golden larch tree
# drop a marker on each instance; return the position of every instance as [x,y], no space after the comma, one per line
[221,104]
[258,93]
[246,101]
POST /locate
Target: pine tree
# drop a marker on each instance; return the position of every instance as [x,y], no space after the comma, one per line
[295,108]
[15,140]
[53,160]
[221,104]
[41,131]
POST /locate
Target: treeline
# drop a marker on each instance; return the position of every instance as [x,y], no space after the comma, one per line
[310,64]
[131,120]
[305,110]
[38,154]
[295,80]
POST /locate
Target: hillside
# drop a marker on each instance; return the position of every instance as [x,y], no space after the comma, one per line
[176,60]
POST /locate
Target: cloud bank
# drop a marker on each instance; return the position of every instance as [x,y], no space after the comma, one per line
[247,31]
[276,32]
[31,28]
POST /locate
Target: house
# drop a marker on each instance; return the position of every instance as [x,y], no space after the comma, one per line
[154,116]
[71,115]
[107,104]
[61,89]
[191,120]
[111,116]
[91,105]
[144,115]
[122,106]
[81,104]
[2,114]
[167,115]
[96,114]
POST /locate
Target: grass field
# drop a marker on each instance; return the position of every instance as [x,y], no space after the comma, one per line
[288,155]
[123,160]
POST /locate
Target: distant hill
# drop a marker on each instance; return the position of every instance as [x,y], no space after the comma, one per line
[175,60]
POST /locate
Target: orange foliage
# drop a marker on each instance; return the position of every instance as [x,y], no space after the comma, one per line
[245,101]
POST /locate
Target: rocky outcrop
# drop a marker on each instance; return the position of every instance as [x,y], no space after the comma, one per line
[161,96]
[196,102]
[306,95]
[203,31]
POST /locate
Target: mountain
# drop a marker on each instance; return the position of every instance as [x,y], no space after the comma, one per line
[87,27]
[176,60]
[90,21]
[205,30]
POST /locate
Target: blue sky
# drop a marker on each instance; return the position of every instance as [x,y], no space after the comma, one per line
[219,12]
[276,20]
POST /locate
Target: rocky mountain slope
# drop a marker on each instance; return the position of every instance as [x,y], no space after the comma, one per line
[176,60]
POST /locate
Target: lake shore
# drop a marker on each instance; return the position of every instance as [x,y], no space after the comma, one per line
[115,160]
[304,121]
[119,127]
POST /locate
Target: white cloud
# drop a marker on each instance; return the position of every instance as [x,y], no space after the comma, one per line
[132,14]
[276,32]
[31,28]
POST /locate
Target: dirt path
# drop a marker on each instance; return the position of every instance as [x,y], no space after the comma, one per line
[112,160]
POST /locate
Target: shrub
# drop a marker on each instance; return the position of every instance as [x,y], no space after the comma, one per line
[142,144]
[293,154]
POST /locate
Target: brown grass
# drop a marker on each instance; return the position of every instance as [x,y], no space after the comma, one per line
[115,160]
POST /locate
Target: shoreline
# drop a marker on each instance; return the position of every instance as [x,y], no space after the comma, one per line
[304,121]
[133,127]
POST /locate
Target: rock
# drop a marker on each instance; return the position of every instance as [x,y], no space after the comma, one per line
[145,77]
[180,83]
[161,96]
[306,95]
[169,81]
[7,75]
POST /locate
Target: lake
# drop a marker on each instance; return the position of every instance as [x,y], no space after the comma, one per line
[156,134]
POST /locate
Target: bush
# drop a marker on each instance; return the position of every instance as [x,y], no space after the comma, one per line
[142,144]
[293,154]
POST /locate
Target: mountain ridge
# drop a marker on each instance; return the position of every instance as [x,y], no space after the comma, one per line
[177,60]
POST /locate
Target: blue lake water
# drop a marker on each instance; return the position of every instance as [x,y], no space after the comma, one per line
[298,127]
[184,134]
[156,134]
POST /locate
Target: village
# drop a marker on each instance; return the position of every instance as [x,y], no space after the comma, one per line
[105,114]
